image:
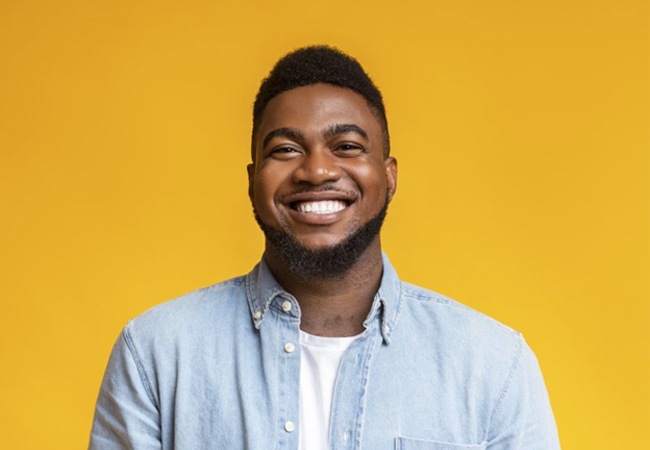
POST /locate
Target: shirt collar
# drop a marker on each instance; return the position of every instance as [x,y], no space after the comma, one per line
[388,301]
[262,289]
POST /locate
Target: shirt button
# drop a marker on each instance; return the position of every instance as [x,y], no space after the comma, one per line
[386,329]
[286,306]
[289,426]
[289,347]
[257,315]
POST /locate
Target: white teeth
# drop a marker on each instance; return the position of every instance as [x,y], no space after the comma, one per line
[322,207]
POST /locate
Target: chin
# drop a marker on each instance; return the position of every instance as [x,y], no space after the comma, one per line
[327,258]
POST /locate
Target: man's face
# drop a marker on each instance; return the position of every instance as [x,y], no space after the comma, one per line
[320,173]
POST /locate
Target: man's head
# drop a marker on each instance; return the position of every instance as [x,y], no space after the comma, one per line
[321,177]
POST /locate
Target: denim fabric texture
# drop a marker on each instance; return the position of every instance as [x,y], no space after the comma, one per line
[210,370]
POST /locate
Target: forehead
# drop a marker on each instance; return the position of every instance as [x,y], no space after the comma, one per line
[314,107]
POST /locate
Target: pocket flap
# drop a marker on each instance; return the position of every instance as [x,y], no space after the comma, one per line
[403,443]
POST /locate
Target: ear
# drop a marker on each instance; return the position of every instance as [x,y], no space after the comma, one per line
[251,177]
[391,176]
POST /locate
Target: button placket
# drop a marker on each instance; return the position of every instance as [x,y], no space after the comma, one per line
[286,311]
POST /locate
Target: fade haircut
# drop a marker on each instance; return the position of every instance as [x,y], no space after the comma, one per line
[319,64]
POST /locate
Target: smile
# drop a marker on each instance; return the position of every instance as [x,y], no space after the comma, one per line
[320,207]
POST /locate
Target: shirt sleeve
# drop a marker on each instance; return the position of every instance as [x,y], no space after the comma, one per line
[126,414]
[523,418]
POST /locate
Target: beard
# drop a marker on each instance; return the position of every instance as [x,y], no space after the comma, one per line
[328,262]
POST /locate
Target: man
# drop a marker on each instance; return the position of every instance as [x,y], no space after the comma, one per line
[321,346]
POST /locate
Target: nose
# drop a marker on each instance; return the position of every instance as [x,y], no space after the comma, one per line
[317,167]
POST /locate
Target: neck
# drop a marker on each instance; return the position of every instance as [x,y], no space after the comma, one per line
[332,306]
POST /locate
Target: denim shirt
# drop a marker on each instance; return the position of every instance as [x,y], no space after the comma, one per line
[211,370]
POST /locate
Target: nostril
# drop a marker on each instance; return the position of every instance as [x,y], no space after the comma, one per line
[317,172]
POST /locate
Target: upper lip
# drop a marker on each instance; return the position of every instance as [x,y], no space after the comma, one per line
[317,196]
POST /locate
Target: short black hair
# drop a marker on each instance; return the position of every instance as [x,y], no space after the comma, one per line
[318,64]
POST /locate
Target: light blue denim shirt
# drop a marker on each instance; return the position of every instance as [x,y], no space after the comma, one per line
[210,370]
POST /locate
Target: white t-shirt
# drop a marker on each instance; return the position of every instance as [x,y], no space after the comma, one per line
[319,364]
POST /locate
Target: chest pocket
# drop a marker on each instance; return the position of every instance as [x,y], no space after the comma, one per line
[402,443]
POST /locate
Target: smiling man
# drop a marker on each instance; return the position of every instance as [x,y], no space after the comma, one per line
[321,346]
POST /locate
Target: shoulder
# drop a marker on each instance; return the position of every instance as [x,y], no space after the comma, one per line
[198,301]
[191,314]
[440,305]
[451,324]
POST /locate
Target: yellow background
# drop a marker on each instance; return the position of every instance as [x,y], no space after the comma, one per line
[521,129]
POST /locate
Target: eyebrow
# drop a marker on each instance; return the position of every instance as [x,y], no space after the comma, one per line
[343,128]
[290,133]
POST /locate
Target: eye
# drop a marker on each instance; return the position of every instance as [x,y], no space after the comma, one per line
[348,149]
[284,152]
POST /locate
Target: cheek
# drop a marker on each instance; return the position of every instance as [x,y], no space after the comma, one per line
[262,198]
[371,180]
[265,188]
